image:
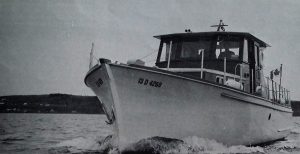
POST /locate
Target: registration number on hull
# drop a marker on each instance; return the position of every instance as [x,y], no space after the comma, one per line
[148,82]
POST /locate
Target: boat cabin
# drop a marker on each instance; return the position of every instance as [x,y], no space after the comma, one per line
[234,59]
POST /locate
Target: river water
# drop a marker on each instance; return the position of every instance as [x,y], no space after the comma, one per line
[84,133]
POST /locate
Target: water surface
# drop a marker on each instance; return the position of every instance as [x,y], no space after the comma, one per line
[86,133]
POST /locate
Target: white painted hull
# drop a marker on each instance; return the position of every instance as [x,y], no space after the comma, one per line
[183,107]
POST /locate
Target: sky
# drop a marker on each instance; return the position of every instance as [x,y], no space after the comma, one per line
[45,45]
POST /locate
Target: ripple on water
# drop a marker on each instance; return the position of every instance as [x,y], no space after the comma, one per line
[11,139]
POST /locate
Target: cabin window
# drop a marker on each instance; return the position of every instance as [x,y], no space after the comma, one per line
[166,51]
[228,47]
[165,48]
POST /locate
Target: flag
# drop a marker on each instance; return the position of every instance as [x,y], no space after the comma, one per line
[276,72]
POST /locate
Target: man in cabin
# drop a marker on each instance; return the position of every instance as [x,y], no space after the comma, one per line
[227,53]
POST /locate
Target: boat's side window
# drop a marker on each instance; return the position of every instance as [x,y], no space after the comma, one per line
[165,48]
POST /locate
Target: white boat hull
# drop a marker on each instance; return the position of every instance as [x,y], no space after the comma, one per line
[177,107]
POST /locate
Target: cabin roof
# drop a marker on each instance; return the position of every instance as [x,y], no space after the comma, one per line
[195,34]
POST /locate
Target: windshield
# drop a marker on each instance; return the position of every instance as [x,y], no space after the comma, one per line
[188,49]
[192,49]
[228,47]
[213,48]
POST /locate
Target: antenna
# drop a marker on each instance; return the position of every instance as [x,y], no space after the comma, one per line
[91,56]
[220,26]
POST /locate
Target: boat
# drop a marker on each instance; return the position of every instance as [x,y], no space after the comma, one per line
[205,84]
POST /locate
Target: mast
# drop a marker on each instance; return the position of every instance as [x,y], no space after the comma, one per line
[221,26]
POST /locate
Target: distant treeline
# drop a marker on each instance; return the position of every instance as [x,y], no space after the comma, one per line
[52,103]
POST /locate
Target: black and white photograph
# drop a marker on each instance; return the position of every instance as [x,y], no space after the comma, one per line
[149,76]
